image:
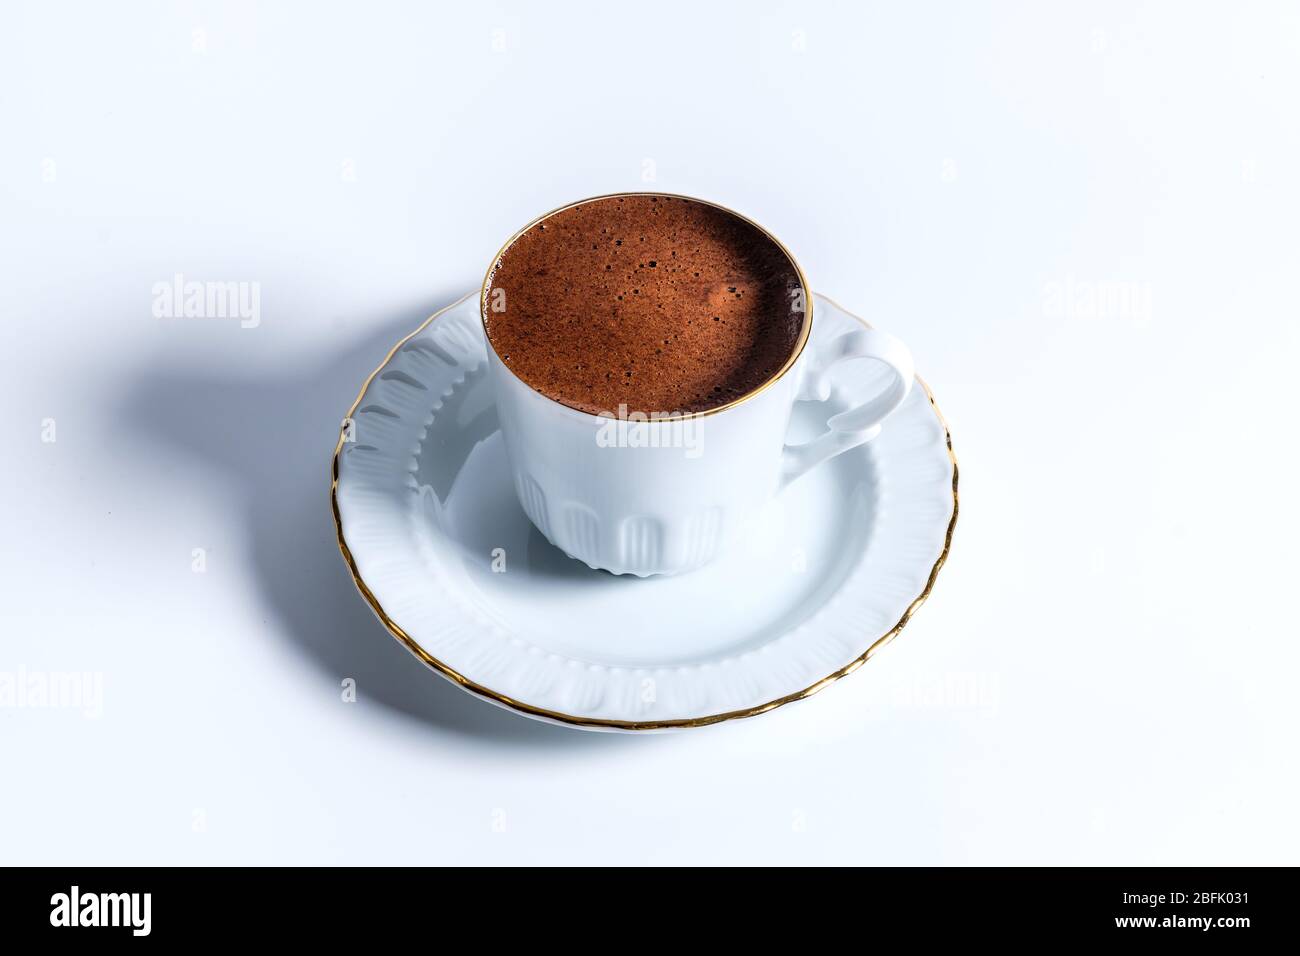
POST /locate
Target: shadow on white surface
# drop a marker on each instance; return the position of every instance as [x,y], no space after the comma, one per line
[272,436]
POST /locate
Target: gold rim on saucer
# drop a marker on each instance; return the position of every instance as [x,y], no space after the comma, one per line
[631,725]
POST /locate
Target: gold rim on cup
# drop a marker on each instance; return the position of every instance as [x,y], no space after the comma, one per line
[804,332]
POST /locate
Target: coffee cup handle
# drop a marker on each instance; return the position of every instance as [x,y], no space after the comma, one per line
[852,427]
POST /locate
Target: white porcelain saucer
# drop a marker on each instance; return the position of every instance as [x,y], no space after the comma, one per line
[438,545]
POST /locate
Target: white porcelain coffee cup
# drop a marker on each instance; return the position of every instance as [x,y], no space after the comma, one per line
[641,496]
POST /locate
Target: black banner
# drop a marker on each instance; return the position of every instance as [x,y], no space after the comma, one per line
[1170,906]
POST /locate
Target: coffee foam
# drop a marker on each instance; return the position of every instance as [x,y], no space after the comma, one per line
[654,303]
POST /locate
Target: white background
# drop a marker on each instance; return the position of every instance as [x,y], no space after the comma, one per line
[970,177]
